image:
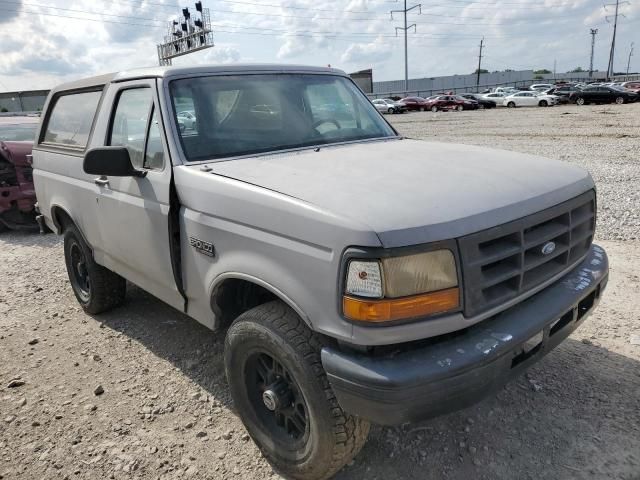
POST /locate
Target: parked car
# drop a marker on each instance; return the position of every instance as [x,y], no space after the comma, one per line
[541,86]
[562,92]
[386,105]
[482,101]
[358,276]
[529,99]
[468,103]
[506,90]
[188,118]
[415,103]
[497,97]
[603,94]
[438,103]
[17,194]
[633,86]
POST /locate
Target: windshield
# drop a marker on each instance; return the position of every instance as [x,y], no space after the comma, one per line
[18,132]
[247,114]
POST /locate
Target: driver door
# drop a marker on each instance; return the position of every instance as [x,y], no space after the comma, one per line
[133,211]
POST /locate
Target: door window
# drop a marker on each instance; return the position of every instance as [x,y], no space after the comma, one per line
[129,123]
[154,153]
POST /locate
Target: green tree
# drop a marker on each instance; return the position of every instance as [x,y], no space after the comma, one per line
[482,70]
[577,70]
[543,71]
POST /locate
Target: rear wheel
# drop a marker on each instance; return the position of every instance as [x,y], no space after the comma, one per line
[481,106]
[434,109]
[96,288]
[619,100]
[390,110]
[422,109]
[543,103]
[459,108]
[580,101]
[511,104]
[283,396]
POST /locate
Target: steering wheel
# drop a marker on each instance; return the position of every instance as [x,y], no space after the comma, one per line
[323,121]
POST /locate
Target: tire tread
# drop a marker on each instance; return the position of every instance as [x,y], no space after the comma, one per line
[350,432]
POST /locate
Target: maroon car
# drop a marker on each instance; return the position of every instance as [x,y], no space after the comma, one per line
[17,195]
[449,102]
[415,104]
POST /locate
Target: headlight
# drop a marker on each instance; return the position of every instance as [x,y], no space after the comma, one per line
[401,287]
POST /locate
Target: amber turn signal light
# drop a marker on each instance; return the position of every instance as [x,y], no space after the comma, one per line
[386,310]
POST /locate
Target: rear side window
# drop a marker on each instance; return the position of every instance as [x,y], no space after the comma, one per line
[71,118]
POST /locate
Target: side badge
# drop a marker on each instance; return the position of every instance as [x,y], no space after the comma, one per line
[203,247]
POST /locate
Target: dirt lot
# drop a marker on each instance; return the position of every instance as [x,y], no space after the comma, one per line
[165,411]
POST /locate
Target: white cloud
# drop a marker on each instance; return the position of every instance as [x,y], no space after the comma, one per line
[222,55]
[42,48]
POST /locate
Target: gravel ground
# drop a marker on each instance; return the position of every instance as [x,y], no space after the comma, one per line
[604,139]
[140,392]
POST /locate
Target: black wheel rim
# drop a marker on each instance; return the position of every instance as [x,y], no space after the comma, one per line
[278,403]
[79,272]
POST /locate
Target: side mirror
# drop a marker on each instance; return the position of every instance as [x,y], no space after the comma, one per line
[110,162]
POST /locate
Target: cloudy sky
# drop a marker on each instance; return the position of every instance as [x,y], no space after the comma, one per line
[45,42]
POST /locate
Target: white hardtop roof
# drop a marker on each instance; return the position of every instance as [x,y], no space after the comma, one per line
[166,72]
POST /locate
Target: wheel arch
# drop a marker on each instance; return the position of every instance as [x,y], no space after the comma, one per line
[233,293]
[61,219]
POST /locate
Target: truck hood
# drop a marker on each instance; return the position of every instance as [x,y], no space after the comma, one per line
[409,191]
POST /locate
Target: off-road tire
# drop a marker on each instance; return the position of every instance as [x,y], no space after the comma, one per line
[107,289]
[334,437]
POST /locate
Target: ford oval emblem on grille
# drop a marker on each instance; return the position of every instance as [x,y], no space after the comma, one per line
[548,248]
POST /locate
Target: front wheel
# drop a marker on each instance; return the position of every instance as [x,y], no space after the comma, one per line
[580,101]
[511,105]
[619,100]
[390,110]
[459,108]
[543,103]
[434,109]
[97,288]
[283,396]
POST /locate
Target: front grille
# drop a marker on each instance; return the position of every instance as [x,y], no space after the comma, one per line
[506,261]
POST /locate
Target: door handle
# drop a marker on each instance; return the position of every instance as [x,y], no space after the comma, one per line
[102,181]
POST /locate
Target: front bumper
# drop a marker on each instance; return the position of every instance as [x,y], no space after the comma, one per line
[424,379]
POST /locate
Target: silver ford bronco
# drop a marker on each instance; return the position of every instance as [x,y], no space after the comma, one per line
[360,276]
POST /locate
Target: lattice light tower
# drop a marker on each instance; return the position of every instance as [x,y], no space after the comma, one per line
[186,34]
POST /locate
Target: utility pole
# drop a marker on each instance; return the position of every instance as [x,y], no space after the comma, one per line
[630,55]
[406,28]
[613,38]
[479,63]
[594,32]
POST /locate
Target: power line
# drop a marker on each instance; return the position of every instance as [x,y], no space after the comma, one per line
[406,28]
[613,38]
